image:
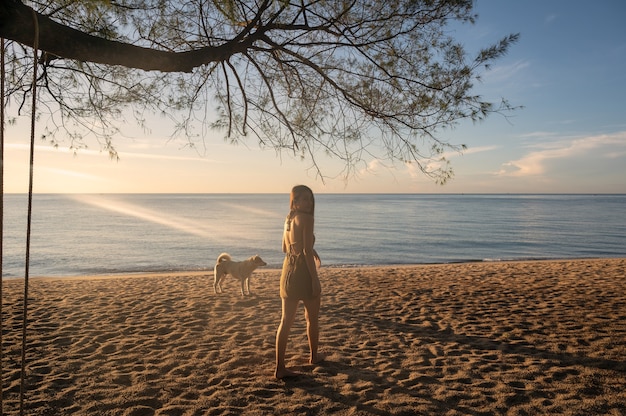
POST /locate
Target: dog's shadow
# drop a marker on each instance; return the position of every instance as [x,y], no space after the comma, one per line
[253,299]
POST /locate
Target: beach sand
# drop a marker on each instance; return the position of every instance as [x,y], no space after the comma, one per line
[516,338]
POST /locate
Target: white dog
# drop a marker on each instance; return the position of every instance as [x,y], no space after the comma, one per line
[241,270]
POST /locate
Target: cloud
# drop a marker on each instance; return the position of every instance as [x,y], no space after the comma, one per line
[615,154]
[538,135]
[122,154]
[413,170]
[373,167]
[70,173]
[538,162]
[473,150]
[550,18]
[431,165]
[52,149]
[165,157]
[504,72]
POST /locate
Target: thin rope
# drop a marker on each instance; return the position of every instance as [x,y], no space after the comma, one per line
[2,77]
[30,210]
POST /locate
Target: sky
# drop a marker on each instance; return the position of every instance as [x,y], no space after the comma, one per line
[568,71]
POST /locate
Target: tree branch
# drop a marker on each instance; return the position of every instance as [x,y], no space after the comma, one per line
[16,23]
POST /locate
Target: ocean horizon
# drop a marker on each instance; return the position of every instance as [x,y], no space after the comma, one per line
[101,234]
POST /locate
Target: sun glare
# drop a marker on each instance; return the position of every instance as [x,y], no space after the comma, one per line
[165,219]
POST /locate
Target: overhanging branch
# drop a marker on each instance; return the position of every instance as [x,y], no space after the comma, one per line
[57,40]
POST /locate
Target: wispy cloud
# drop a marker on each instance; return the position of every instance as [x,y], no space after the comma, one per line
[166,157]
[47,149]
[70,173]
[537,162]
[550,18]
[413,169]
[473,150]
[501,73]
[538,135]
[373,166]
[122,155]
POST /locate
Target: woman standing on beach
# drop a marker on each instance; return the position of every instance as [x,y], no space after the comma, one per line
[299,280]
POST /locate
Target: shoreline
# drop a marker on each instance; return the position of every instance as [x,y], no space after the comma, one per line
[195,273]
[482,338]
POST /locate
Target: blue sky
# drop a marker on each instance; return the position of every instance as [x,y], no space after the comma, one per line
[568,71]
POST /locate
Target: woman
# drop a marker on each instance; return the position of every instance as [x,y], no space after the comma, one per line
[299,280]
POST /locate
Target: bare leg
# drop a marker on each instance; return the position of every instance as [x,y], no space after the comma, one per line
[312,312]
[290,308]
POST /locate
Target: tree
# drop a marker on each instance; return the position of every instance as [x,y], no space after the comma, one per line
[346,77]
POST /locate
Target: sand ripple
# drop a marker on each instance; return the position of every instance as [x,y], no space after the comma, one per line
[519,338]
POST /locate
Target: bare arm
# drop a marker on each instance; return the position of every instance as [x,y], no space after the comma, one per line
[285,238]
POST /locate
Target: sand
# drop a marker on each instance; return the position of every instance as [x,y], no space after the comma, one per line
[516,338]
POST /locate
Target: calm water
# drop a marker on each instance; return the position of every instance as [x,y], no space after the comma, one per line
[104,234]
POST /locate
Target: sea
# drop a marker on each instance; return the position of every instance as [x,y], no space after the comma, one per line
[104,234]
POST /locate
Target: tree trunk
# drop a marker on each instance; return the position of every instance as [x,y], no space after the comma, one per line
[17,22]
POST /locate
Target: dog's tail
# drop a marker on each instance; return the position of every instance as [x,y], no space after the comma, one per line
[222,257]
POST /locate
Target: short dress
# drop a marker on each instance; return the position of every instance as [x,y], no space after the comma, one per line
[295,279]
